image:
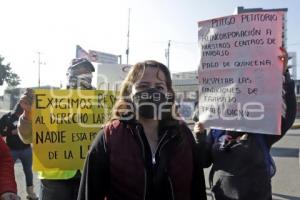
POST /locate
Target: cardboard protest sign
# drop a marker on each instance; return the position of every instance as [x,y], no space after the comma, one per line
[64,123]
[240,75]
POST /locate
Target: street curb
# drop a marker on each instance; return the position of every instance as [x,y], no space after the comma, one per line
[296,126]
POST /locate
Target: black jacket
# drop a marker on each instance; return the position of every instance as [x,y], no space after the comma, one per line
[120,165]
[8,123]
[241,162]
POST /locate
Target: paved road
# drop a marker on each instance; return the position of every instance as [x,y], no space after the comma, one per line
[285,183]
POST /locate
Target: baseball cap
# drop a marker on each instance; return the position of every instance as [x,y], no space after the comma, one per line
[81,62]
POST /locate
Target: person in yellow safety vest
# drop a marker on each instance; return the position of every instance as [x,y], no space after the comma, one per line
[57,184]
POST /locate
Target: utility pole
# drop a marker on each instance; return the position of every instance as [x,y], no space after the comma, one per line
[127,50]
[39,68]
[167,54]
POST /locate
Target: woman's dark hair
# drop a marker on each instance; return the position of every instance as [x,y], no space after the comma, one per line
[18,109]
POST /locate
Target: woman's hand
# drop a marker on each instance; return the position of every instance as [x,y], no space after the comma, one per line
[199,132]
[199,128]
[26,101]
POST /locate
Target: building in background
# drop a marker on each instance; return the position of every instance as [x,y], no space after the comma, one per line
[186,86]
[12,96]
[293,64]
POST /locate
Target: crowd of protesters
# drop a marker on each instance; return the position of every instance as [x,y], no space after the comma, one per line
[145,150]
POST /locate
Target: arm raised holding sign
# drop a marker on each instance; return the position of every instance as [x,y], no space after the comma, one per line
[242,166]
[289,102]
[57,184]
[24,125]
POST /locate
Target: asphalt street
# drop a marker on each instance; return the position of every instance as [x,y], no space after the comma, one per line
[286,183]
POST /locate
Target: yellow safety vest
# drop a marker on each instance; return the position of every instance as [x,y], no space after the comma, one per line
[56,174]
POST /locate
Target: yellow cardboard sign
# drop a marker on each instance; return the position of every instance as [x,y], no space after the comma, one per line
[64,123]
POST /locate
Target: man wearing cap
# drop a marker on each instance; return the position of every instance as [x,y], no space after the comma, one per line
[80,74]
[57,184]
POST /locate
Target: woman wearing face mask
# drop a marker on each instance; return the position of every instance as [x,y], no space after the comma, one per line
[143,152]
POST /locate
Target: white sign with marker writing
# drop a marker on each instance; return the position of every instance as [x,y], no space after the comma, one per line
[240,74]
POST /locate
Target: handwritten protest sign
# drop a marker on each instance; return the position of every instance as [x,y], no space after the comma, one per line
[64,122]
[240,75]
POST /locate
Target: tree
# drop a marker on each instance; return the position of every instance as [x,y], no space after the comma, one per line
[6,75]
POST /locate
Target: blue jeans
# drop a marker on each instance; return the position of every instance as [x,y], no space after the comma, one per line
[59,189]
[25,155]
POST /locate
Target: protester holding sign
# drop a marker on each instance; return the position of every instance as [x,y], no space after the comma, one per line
[19,150]
[57,184]
[144,151]
[8,186]
[242,166]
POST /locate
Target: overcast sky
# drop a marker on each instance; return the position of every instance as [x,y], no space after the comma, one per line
[55,27]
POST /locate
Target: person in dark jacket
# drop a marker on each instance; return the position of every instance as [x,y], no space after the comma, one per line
[8,186]
[144,151]
[19,150]
[242,166]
